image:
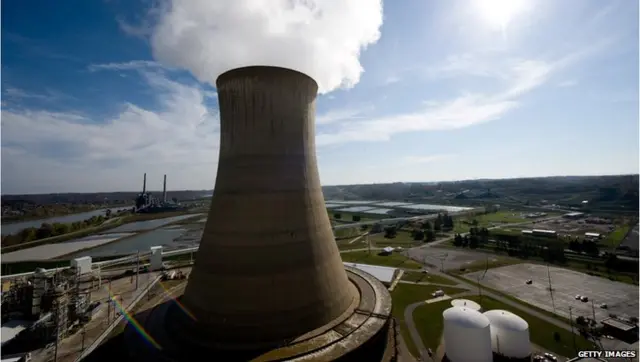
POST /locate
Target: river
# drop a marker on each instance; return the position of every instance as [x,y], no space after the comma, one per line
[13,228]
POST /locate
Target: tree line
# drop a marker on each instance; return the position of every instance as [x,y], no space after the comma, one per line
[47,230]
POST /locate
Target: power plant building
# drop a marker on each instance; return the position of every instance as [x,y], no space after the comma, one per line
[268,283]
[467,335]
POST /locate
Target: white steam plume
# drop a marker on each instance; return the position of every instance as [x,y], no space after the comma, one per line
[322,38]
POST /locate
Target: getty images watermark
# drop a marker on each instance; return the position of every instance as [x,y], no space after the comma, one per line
[608,354]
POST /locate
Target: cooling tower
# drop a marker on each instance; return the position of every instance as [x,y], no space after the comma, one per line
[268,237]
[268,283]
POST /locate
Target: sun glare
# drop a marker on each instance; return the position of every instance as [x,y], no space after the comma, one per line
[499,13]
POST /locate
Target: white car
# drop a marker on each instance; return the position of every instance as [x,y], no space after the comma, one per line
[584,299]
[578,297]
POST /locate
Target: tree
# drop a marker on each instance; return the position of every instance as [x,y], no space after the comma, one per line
[447,222]
[556,336]
[337,216]
[44,231]
[473,242]
[437,224]
[429,236]
[426,225]
[107,213]
[355,218]
[580,320]
[457,240]
[390,232]
[418,235]
[474,222]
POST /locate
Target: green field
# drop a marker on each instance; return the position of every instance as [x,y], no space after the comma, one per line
[358,244]
[393,260]
[615,238]
[420,277]
[403,238]
[405,294]
[487,220]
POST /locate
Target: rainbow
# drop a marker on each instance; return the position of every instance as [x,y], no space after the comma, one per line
[177,302]
[133,322]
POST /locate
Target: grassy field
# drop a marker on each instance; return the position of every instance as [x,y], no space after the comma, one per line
[358,244]
[487,220]
[347,233]
[541,332]
[403,238]
[420,277]
[614,239]
[393,260]
[405,294]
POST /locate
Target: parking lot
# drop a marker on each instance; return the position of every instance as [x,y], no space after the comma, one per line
[451,259]
[621,298]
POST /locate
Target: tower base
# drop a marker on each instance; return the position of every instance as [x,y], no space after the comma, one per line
[362,333]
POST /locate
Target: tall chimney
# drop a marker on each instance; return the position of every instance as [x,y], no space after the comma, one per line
[268,268]
[164,189]
[144,183]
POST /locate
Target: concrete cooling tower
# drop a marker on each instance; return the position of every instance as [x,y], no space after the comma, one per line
[509,334]
[268,282]
[467,337]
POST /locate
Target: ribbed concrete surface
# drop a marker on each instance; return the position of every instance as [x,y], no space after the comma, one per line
[268,268]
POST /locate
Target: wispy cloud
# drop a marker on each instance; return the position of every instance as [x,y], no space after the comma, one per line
[131,65]
[412,160]
[342,115]
[76,151]
[518,77]
[50,95]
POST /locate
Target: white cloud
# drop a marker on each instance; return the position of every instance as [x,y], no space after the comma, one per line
[67,152]
[49,95]
[344,114]
[321,38]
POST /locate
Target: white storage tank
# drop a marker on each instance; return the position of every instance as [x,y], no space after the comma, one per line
[467,337]
[466,303]
[509,334]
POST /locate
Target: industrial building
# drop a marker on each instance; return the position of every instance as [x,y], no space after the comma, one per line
[624,331]
[45,307]
[274,288]
[574,215]
[147,203]
[540,233]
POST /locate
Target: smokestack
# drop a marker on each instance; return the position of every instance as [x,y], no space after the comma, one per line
[268,268]
[164,189]
[144,183]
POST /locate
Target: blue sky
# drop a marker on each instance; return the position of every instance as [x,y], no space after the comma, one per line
[94,93]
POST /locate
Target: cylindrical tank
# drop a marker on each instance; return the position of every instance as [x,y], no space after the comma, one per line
[509,334]
[467,337]
[466,303]
[268,268]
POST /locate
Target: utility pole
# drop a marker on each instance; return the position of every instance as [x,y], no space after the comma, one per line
[137,267]
[553,304]
[84,332]
[572,333]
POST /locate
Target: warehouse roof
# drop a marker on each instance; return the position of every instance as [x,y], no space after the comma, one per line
[384,274]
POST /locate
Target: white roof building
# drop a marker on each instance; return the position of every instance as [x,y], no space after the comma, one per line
[384,274]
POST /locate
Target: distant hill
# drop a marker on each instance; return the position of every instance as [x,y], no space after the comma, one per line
[606,193]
